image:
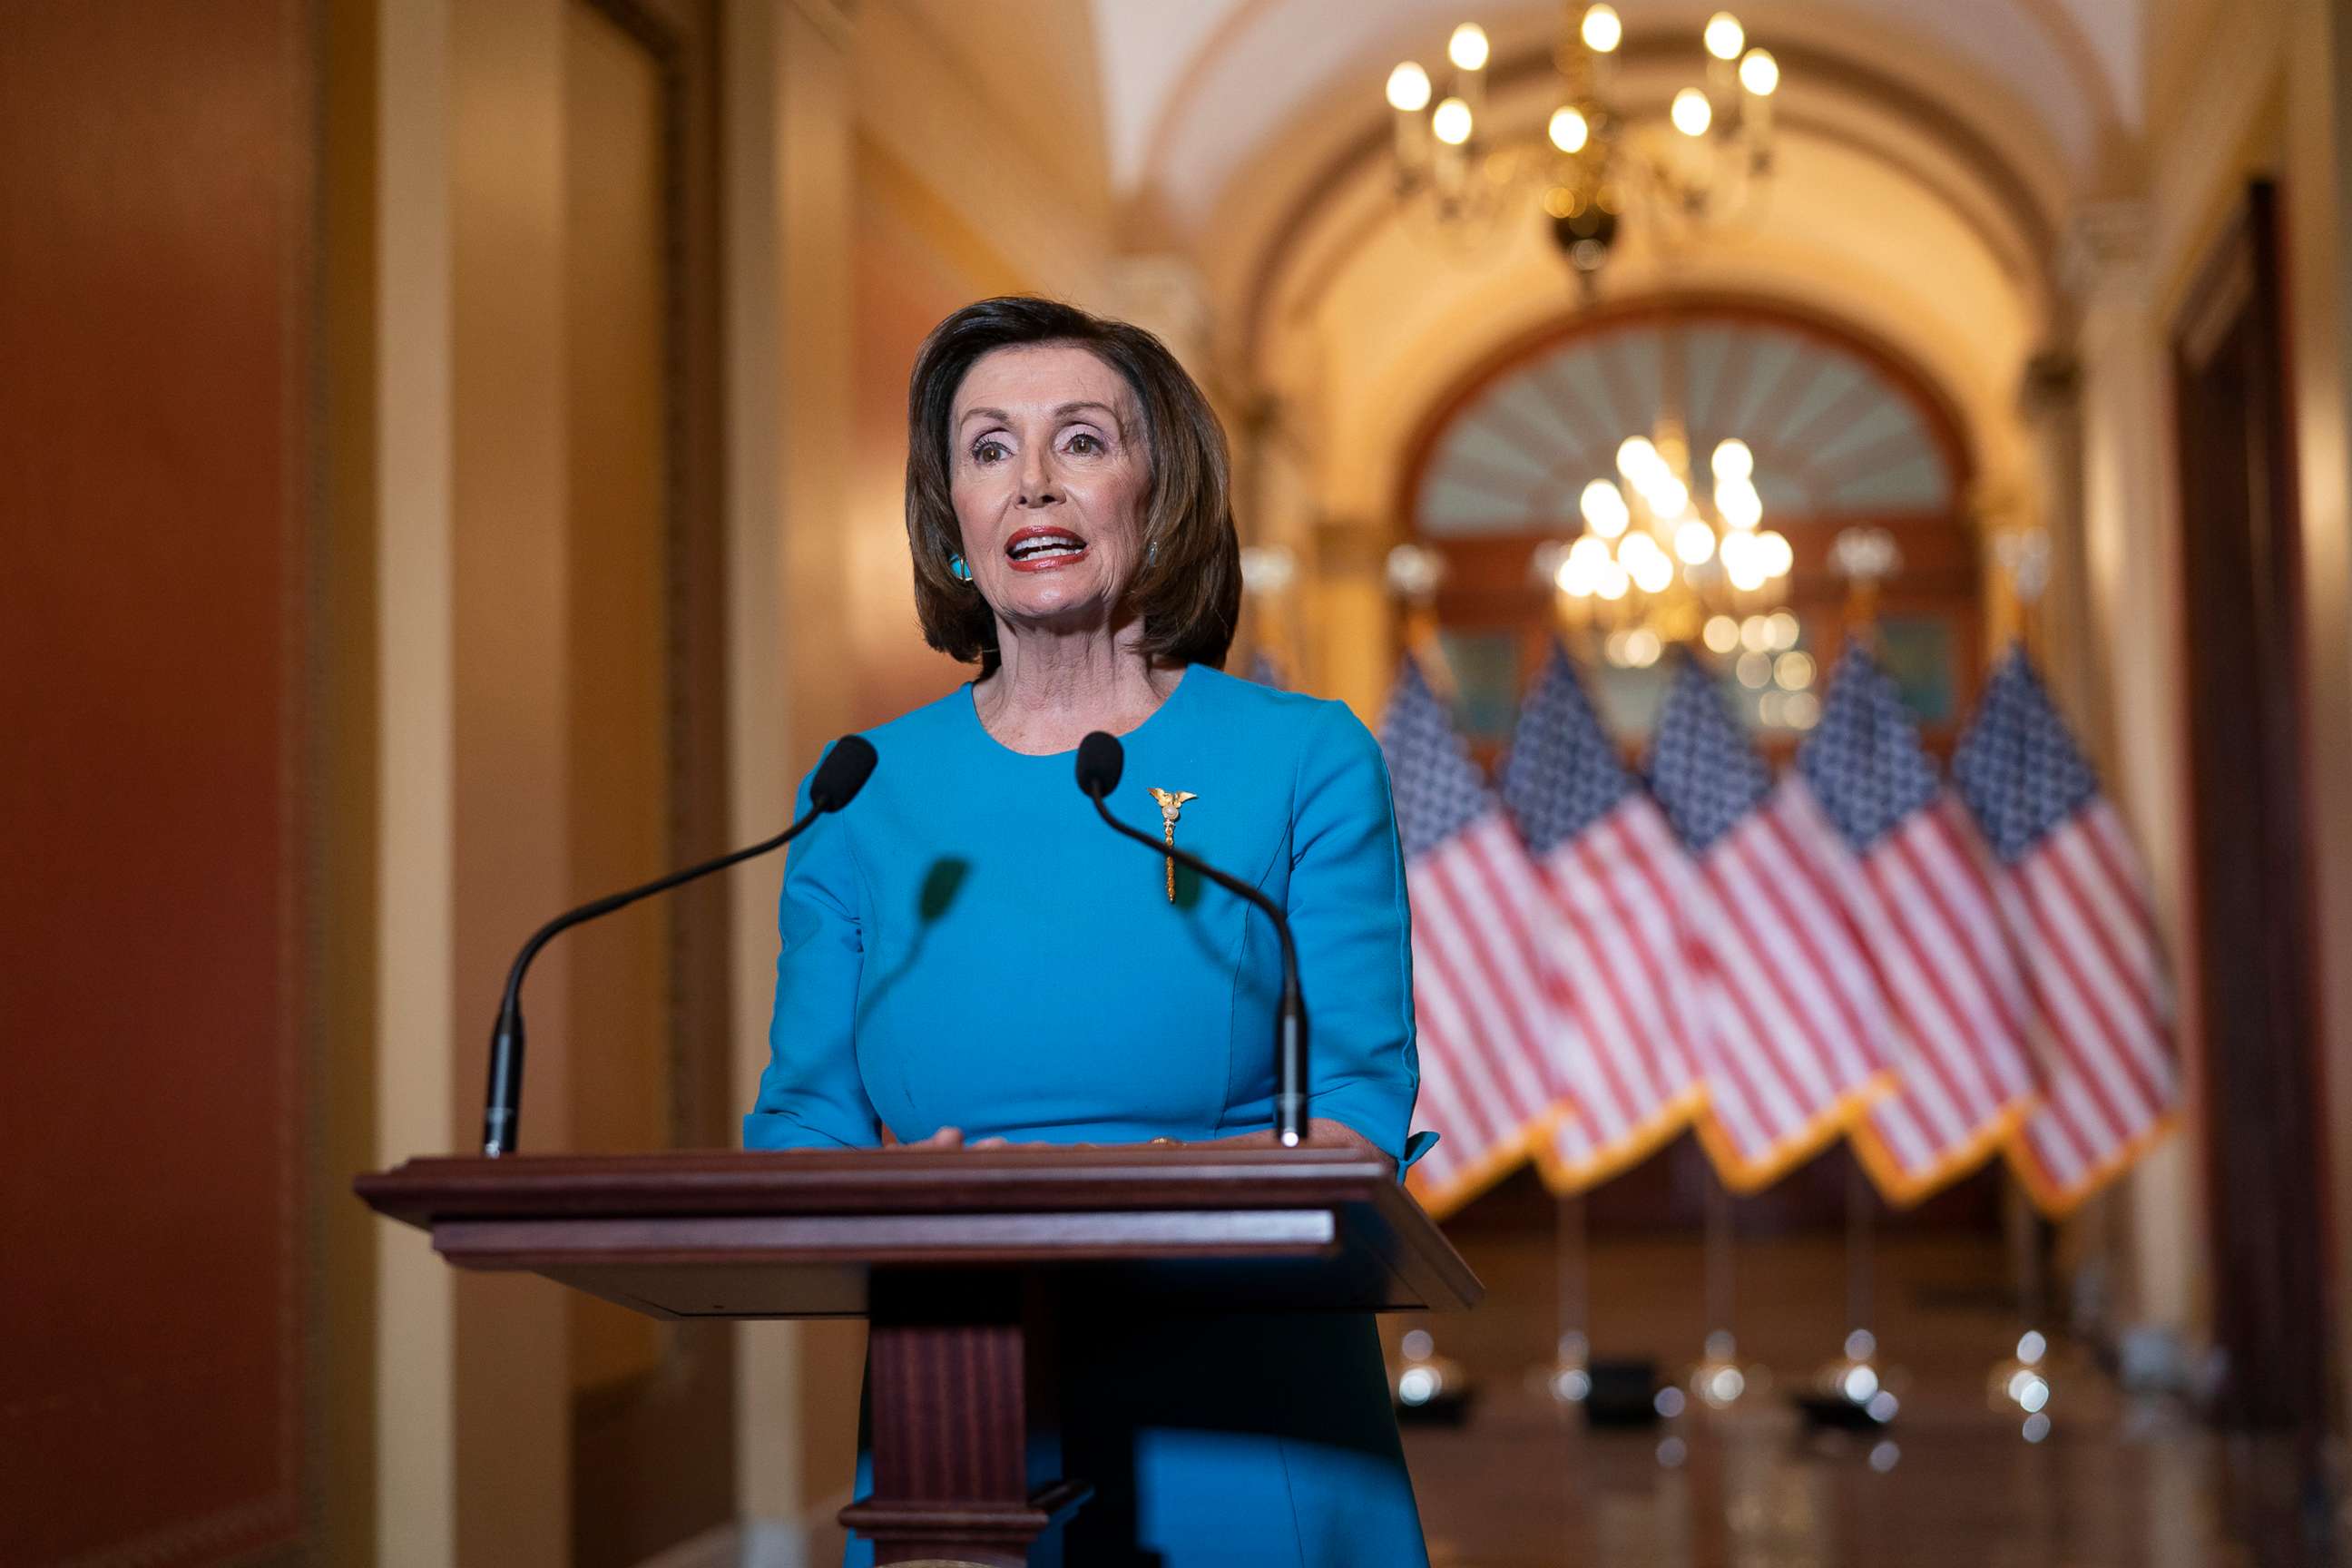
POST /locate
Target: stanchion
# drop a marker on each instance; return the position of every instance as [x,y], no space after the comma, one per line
[2019,1384]
[1718,1380]
[1850,1391]
[1610,1391]
[1571,1369]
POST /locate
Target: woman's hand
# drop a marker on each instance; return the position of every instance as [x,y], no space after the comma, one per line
[953,1138]
[1320,1130]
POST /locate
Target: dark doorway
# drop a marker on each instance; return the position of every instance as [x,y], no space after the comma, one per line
[2252,919]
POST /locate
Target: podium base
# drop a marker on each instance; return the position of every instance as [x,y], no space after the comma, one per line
[976,1534]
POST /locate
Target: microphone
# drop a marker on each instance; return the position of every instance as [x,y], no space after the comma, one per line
[1101,760]
[839,779]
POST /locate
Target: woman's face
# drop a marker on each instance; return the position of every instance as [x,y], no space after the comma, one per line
[1049,468]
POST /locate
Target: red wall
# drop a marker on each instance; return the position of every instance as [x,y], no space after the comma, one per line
[155,212]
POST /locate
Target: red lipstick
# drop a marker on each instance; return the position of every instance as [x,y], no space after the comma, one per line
[1041,547]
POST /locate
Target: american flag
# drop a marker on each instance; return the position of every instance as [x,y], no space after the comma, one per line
[1613,865]
[1485,1015]
[1793,1022]
[2070,890]
[1917,890]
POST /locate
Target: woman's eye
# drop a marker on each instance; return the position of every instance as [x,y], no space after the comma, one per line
[1086,444]
[988,451]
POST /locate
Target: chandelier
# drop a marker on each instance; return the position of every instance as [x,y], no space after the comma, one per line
[1657,564]
[1710,168]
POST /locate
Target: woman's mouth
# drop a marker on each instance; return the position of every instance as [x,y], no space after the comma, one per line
[1036,548]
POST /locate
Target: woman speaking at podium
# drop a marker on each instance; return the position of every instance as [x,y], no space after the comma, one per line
[970,956]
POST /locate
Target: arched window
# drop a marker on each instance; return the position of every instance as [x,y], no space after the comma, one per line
[1844,434]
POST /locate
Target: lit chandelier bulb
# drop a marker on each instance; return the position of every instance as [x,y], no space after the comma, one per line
[1725,36]
[1732,461]
[1694,542]
[1636,458]
[1568,129]
[1691,113]
[1450,122]
[1759,73]
[1409,89]
[1604,509]
[1601,30]
[1742,562]
[1467,48]
[1738,503]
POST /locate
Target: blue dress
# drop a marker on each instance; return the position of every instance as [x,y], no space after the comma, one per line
[967,946]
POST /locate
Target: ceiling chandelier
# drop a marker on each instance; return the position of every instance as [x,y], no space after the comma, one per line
[1591,157]
[1657,565]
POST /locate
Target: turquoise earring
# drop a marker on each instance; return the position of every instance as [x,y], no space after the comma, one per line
[960,569]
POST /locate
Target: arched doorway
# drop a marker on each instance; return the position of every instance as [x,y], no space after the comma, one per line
[1846,434]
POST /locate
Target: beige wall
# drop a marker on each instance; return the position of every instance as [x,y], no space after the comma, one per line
[856,221]
[471,1429]
[511,615]
[415,1312]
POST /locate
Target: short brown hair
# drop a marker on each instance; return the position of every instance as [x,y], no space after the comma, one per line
[1188,591]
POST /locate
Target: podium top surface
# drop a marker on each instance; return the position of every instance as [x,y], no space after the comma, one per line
[792,1234]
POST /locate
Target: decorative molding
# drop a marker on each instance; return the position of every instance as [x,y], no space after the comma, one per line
[836,19]
[2102,240]
[1164,293]
[2050,387]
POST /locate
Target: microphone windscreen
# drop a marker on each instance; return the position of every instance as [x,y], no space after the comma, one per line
[1102,759]
[842,772]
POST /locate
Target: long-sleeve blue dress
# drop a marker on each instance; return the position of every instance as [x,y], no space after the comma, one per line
[967,946]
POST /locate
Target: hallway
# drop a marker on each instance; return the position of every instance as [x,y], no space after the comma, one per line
[1949,1483]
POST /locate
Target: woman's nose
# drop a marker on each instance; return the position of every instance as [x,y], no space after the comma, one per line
[1037,486]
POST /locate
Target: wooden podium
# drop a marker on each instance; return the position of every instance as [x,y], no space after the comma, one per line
[962,1261]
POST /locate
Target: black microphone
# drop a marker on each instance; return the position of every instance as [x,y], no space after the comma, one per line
[839,779]
[1101,760]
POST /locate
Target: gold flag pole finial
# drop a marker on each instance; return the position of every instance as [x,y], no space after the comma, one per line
[1866,558]
[2022,557]
[1414,571]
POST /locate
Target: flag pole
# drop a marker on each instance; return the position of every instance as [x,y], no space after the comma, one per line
[1719,1279]
[1571,1372]
[1866,558]
[1859,1254]
[1855,1376]
[2024,1229]
[1268,571]
[1718,1380]
[2023,559]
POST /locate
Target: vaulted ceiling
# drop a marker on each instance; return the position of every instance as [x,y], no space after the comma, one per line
[1191,93]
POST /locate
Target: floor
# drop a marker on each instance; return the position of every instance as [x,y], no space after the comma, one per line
[1950,1482]
[1951,1479]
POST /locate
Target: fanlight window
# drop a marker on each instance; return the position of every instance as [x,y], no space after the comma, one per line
[1833,435]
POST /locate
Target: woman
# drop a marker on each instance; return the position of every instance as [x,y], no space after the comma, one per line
[968,954]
